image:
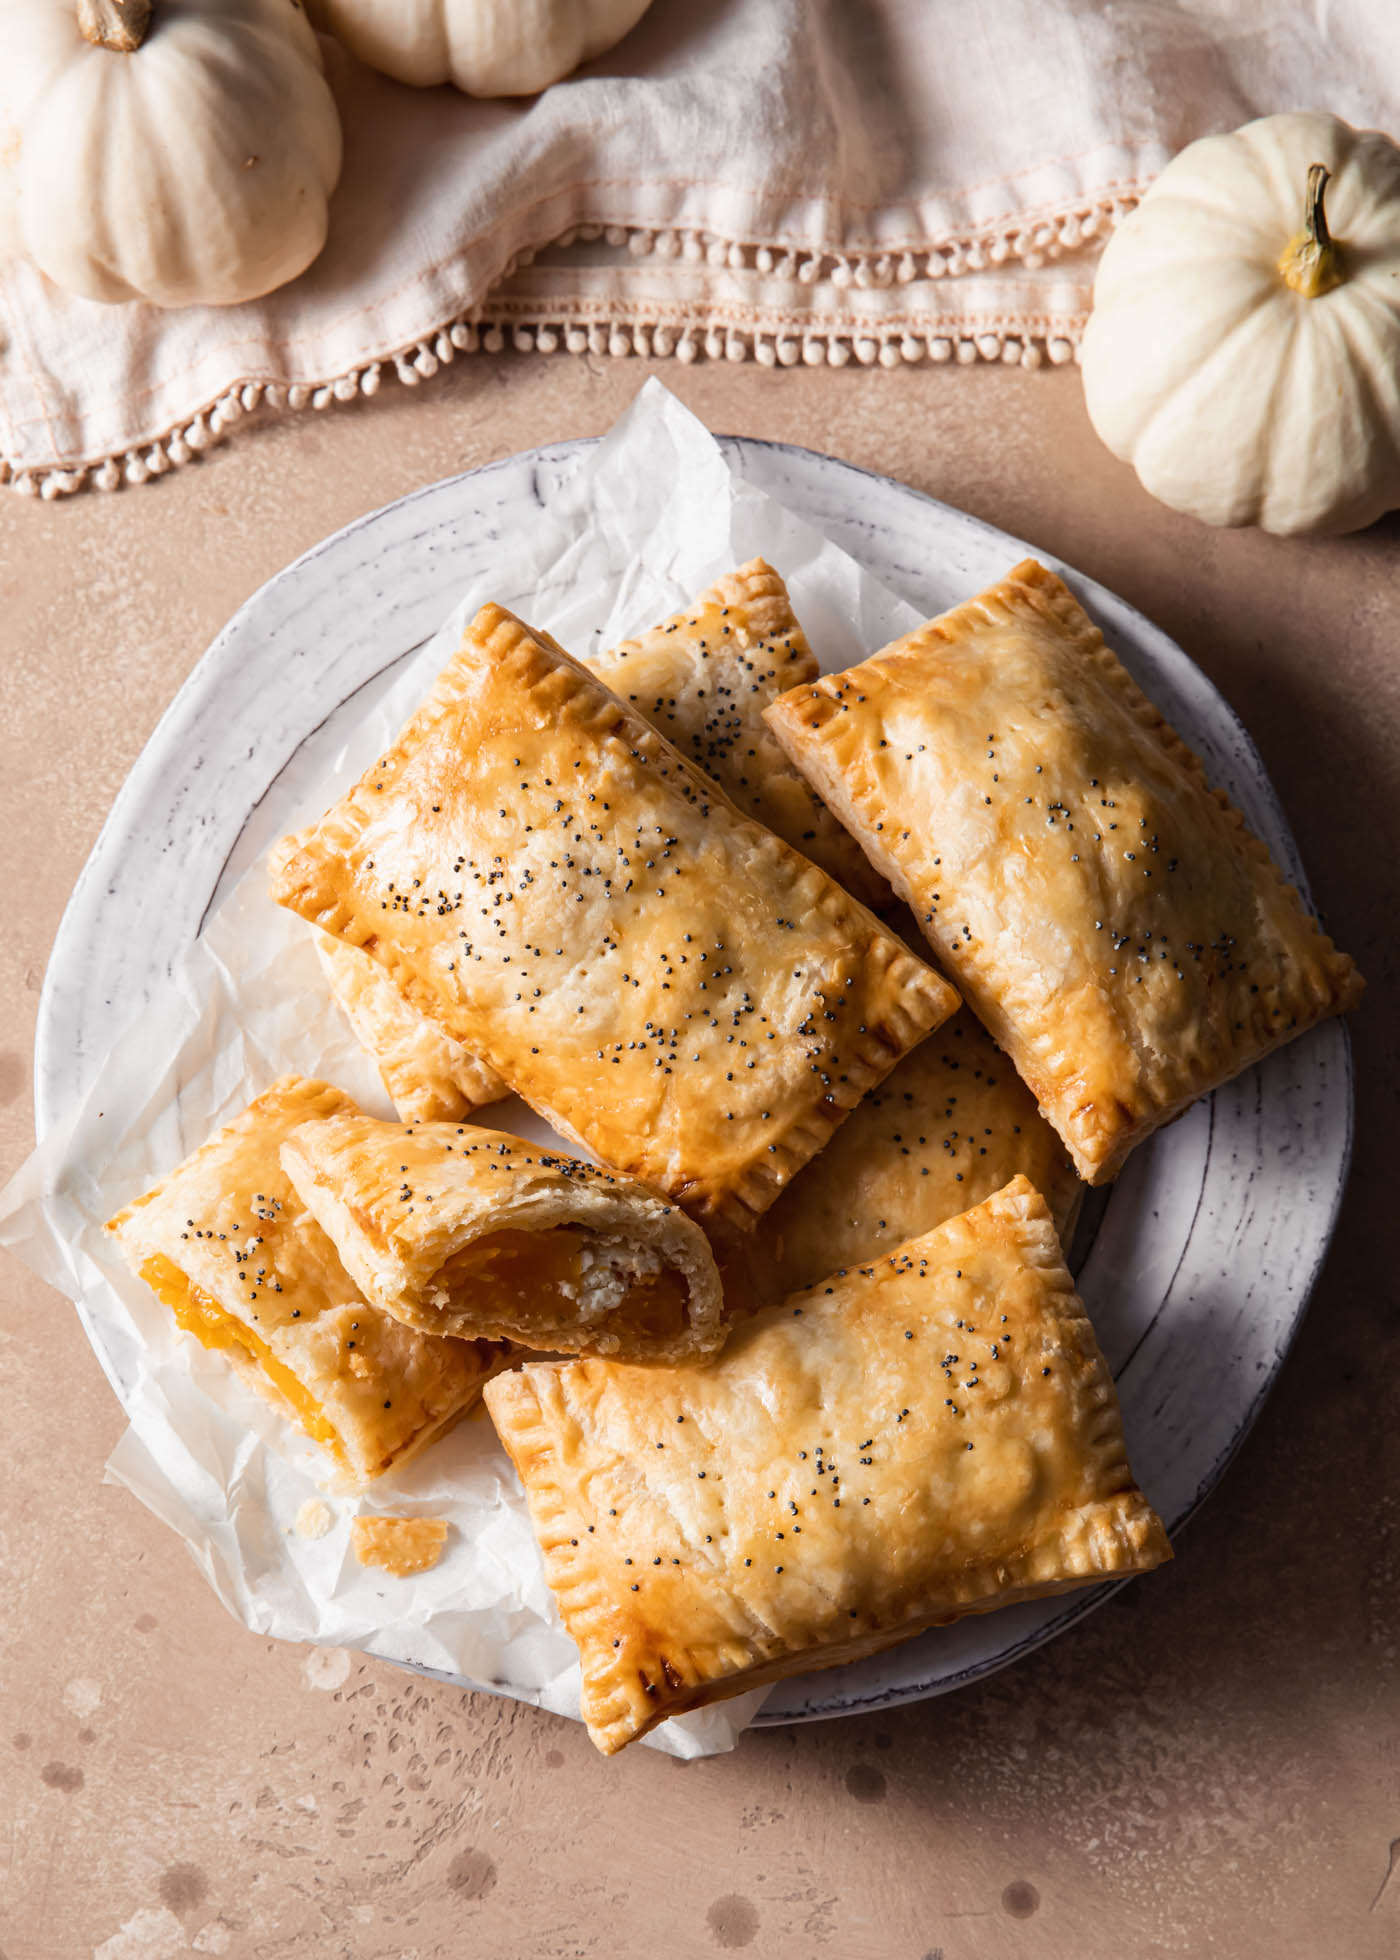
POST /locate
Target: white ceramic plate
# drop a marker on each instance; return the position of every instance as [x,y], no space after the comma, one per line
[1198,1264]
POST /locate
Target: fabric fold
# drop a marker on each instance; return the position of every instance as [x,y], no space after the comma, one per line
[823,181]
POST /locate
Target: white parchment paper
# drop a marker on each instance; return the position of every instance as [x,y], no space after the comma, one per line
[641,523]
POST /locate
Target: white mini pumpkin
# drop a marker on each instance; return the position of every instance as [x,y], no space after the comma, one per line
[184,156]
[1243,353]
[484,47]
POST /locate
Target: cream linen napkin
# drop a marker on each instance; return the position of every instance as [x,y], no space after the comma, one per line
[785,180]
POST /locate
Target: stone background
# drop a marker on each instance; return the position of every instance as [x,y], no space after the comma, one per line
[1208,1765]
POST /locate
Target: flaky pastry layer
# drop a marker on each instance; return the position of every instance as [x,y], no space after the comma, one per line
[429,1077]
[703,679]
[945,1129]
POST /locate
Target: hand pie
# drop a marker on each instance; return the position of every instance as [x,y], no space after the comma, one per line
[1108,916]
[429,1076]
[459,1230]
[577,905]
[933,1435]
[703,679]
[226,1244]
[945,1129]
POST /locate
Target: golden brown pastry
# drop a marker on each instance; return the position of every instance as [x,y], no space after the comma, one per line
[932,1435]
[403,1546]
[703,679]
[227,1245]
[460,1230]
[429,1076]
[944,1130]
[582,908]
[1108,916]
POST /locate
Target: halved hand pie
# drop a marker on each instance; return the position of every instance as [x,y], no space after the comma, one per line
[429,1076]
[945,1129]
[227,1245]
[581,908]
[1110,919]
[460,1230]
[932,1435]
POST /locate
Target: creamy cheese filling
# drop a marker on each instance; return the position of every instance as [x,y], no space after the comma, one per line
[567,1279]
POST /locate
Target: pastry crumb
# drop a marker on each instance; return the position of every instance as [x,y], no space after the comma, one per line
[314,1519]
[402,1546]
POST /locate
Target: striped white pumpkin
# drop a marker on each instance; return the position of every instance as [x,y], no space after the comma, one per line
[183,155]
[483,47]
[1250,373]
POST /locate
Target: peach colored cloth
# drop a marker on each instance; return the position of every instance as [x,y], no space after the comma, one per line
[780,180]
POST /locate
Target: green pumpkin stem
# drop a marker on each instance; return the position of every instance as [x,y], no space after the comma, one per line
[120,25]
[1312,264]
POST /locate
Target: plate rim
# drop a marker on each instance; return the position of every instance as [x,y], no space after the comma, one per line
[202,682]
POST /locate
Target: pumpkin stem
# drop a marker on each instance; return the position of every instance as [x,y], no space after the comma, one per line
[120,25]
[1312,263]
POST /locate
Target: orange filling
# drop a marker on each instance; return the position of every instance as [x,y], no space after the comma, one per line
[540,1279]
[201,1315]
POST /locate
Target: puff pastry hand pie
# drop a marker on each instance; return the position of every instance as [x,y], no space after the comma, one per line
[703,678]
[460,1230]
[582,908]
[944,1130]
[429,1076]
[933,1435]
[226,1244]
[1107,914]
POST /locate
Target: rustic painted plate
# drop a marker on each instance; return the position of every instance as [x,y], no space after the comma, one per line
[1196,1266]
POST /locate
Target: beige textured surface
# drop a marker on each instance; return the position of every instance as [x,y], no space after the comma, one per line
[1209,1765]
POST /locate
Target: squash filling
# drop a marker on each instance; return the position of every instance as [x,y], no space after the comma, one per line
[568,1278]
[198,1313]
